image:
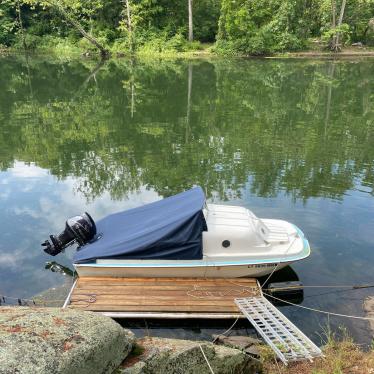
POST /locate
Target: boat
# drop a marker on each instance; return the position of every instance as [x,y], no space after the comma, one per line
[181,236]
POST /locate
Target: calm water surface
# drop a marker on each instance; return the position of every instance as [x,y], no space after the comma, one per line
[287,139]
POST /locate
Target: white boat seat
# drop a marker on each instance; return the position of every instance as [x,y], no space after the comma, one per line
[276,234]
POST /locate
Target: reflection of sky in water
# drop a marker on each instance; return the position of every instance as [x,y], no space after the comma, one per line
[35,204]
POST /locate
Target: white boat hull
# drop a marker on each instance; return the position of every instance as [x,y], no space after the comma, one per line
[256,247]
[228,271]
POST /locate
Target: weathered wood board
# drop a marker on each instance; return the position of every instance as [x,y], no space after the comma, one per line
[162,297]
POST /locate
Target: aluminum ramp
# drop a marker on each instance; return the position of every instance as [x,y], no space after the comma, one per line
[287,341]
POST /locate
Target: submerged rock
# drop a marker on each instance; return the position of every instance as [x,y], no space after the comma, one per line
[53,340]
[173,356]
[246,344]
[53,297]
[369,309]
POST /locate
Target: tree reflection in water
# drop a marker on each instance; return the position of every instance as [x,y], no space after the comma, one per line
[303,127]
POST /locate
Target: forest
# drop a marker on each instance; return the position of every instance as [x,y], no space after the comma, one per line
[233,27]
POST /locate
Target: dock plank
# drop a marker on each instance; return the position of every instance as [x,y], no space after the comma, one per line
[162,296]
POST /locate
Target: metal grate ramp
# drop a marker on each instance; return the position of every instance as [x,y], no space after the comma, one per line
[287,341]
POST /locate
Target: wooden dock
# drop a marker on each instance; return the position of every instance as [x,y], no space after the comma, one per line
[161,297]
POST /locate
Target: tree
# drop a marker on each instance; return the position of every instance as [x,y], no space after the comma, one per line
[333,22]
[190,21]
[70,18]
[18,6]
[370,26]
[263,26]
[129,25]
[335,45]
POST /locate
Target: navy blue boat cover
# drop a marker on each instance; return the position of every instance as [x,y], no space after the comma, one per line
[171,228]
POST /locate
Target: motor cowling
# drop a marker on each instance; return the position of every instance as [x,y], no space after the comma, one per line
[79,229]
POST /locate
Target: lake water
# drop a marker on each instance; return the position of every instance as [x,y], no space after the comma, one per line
[290,139]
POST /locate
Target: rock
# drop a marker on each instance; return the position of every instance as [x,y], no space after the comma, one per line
[369,309]
[253,350]
[245,343]
[175,356]
[358,44]
[238,342]
[53,340]
[53,297]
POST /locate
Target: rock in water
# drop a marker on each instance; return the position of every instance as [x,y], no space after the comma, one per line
[60,341]
[246,344]
[173,356]
[369,309]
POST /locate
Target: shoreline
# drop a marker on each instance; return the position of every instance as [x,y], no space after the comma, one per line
[197,54]
[326,54]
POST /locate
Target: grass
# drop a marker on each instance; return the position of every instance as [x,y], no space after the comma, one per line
[65,49]
[341,356]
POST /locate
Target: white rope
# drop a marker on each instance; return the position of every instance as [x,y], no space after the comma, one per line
[354,287]
[202,351]
[319,310]
[270,275]
[281,260]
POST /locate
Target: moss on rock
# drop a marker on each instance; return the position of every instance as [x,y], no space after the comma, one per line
[53,340]
[175,356]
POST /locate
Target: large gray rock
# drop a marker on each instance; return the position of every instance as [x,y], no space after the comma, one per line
[52,340]
[172,356]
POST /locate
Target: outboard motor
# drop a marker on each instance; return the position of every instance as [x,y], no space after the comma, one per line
[78,229]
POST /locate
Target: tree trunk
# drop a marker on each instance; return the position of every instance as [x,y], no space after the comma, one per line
[190,24]
[342,9]
[333,10]
[333,23]
[336,43]
[129,25]
[103,51]
[21,26]
[370,26]
[340,21]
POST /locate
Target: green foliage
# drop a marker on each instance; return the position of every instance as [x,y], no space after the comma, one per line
[343,30]
[8,22]
[153,42]
[120,45]
[48,44]
[32,41]
[262,26]
[268,26]
[255,27]
[157,25]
